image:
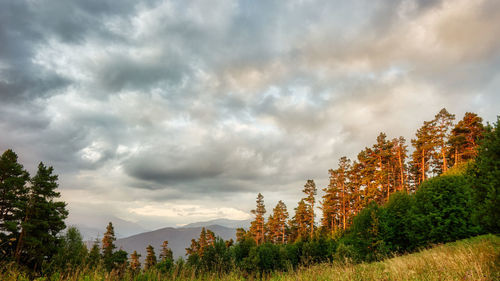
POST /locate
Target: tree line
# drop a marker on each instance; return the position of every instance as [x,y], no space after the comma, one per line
[384,202]
[378,172]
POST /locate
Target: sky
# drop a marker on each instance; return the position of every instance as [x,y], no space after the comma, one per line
[164,113]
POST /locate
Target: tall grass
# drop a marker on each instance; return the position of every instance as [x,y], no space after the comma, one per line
[470,259]
[476,258]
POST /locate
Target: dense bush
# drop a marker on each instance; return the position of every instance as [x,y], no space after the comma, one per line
[394,220]
[440,212]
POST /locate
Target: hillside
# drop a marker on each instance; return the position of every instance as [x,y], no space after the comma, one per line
[178,239]
[475,258]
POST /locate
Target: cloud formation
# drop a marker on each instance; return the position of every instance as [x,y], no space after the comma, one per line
[147,105]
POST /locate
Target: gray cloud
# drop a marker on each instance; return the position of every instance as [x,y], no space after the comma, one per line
[191,105]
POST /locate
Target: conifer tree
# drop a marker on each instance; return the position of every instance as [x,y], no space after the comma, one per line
[301,220]
[355,184]
[13,201]
[331,205]
[277,223]
[442,123]
[382,153]
[465,137]
[257,227]
[241,234]
[108,246]
[367,174]
[424,149]
[193,248]
[43,220]
[150,261]
[166,252]
[94,255]
[400,150]
[210,237]
[135,264]
[310,190]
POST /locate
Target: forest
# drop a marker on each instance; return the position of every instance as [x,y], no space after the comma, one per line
[395,198]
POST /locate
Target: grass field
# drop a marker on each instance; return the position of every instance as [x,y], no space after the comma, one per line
[476,258]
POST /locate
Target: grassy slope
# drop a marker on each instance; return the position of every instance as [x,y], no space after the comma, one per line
[476,258]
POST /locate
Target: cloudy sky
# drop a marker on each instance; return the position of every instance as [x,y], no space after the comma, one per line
[169,112]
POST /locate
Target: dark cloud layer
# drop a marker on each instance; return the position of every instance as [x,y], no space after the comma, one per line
[189,107]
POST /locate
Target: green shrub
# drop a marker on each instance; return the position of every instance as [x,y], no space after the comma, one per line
[440,212]
[393,221]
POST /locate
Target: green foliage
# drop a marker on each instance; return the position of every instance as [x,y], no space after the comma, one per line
[440,212]
[216,258]
[484,176]
[13,202]
[119,259]
[393,221]
[365,235]
[43,220]
[266,258]
[165,266]
[72,253]
[150,258]
[108,246]
[94,258]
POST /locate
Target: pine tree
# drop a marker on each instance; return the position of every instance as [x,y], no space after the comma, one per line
[277,223]
[166,252]
[442,123]
[13,201]
[72,252]
[424,149]
[193,248]
[355,185]
[301,220]
[210,237]
[399,152]
[331,204]
[241,234]
[135,264]
[108,246]
[94,255]
[257,226]
[43,220]
[310,190]
[465,138]
[367,175]
[382,153]
[150,258]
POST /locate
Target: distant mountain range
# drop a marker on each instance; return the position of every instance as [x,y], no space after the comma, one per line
[222,222]
[178,238]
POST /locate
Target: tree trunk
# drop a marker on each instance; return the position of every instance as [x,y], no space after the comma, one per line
[423,165]
[283,237]
[400,169]
[445,165]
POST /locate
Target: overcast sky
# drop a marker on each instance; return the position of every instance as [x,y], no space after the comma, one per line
[169,112]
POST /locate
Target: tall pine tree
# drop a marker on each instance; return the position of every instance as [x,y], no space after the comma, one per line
[13,201]
[43,220]
[108,246]
[257,227]
[310,190]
